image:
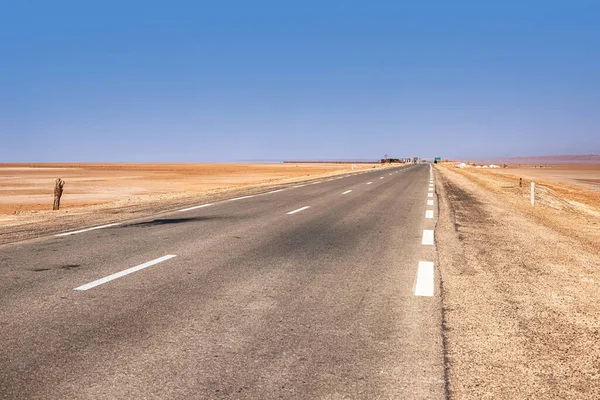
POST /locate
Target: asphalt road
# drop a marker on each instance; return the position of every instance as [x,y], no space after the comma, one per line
[256,302]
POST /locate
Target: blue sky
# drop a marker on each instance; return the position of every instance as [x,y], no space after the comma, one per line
[227,81]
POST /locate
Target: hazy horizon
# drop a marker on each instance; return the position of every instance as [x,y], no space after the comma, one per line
[195,82]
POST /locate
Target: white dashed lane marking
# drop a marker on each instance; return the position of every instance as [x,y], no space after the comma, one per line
[425,279]
[429,214]
[427,237]
[429,202]
[298,210]
[347,191]
[125,272]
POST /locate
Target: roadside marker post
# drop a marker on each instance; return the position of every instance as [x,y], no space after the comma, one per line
[532,193]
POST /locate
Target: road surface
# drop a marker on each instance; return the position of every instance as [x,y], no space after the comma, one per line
[307,292]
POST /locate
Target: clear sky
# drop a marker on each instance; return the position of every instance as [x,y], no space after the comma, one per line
[249,80]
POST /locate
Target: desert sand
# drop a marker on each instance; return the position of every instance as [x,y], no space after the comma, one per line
[97,194]
[29,187]
[579,174]
[520,283]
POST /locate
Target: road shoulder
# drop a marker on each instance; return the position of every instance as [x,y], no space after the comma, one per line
[521,300]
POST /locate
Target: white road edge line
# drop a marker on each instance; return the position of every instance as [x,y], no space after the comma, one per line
[123,273]
[299,186]
[240,198]
[429,214]
[298,210]
[196,207]
[87,229]
[429,202]
[427,237]
[425,279]
[276,191]
[347,191]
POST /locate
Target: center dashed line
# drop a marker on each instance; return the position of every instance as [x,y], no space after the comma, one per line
[123,273]
[298,210]
[347,191]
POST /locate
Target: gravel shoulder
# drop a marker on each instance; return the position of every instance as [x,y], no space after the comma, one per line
[521,293]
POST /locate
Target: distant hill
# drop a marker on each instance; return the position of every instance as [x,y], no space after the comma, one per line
[560,159]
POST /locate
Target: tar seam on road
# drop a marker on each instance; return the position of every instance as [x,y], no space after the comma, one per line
[87,229]
[196,207]
[425,279]
[125,272]
[298,210]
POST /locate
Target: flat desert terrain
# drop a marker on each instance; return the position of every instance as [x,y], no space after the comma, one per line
[96,194]
[29,187]
[579,174]
[521,283]
[574,187]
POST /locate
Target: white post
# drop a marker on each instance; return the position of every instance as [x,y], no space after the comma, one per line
[353,165]
[532,193]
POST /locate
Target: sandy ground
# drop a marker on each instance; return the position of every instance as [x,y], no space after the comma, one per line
[576,174]
[520,287]
[27,187]
[95,194]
